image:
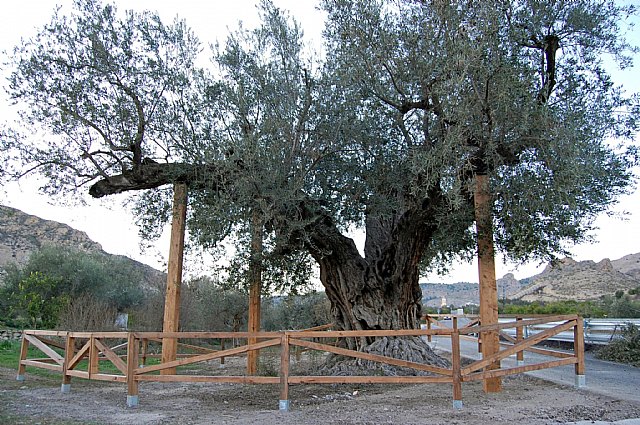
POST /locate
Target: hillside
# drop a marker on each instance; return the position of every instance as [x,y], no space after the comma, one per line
[629,265]
[565,279]
[568,279]
[463,293]
[21,234]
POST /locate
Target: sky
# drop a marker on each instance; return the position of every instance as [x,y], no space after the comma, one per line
[109,223]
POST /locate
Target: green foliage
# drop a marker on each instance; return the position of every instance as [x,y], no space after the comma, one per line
[39,297]
[53,276]
[296,311]
[625,349]
[621,306]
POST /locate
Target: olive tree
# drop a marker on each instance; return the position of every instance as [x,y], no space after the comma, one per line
[386,133]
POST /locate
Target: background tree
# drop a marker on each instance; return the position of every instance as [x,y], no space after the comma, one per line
[413,100]
[54,276]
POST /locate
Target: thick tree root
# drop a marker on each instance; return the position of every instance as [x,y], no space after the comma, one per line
[413,349]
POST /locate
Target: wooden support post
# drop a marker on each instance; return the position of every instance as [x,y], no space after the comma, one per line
[93,357]
[255,288]
[145,348]
[519,339]
[24,349]
[69,352]
[284,373]
[578,350]
[487,277]
[429,337]
[222,349]
[174,276]
[454,322]
[455,366]
[132,364]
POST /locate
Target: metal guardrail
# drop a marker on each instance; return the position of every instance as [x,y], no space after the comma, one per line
[596,331]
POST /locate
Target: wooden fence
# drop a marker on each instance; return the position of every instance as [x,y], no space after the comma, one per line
[123,354]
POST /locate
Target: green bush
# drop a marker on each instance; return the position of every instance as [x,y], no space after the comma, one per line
[35,294]
[623,350]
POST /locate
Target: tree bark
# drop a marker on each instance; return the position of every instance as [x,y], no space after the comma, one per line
[379,290]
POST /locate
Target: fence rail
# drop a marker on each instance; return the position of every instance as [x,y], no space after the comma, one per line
[121,356]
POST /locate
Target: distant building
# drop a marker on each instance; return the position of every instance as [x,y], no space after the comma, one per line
[443,302]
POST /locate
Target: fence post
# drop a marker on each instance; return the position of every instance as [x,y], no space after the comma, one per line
[222,348]
[132,364]
[455,366]
[429,328]
[519,339]
[24,349]
[145,348]
[479,336]
[284,372]
[93,356]
[578,350]
[69,351]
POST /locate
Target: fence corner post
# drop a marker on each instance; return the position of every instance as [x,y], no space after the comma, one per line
[24,349]
[455,366]
[578,350]
[132,364]
[284,373]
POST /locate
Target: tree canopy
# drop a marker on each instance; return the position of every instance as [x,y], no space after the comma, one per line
[384,132]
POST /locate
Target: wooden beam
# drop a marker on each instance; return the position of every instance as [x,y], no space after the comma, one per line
[24,350]
[456,374]
[45,349]
[520,369]
[368,356]
[284,373]
[255,289]
[369,379]
[113,357]
[207,378]
[79,356]
[69,352]
[578,346]
[487,276]
[133,347]
[174,274]
[205,357]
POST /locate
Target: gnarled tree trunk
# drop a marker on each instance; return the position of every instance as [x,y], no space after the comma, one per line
[379,290]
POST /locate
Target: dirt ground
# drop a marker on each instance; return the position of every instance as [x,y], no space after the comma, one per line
[524,400]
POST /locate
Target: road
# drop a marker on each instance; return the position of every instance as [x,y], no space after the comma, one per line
[602,377]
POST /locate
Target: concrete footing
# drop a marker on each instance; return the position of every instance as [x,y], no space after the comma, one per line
[132,401]
[284,405]
[581,381]
[457,404]
[65,388]
[20,378]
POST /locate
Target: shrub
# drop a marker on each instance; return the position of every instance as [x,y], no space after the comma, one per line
[623,350]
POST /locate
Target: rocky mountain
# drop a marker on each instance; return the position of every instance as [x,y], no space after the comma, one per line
[565,279]
[463,293]
[629,265]
[21,234]
[568,279]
